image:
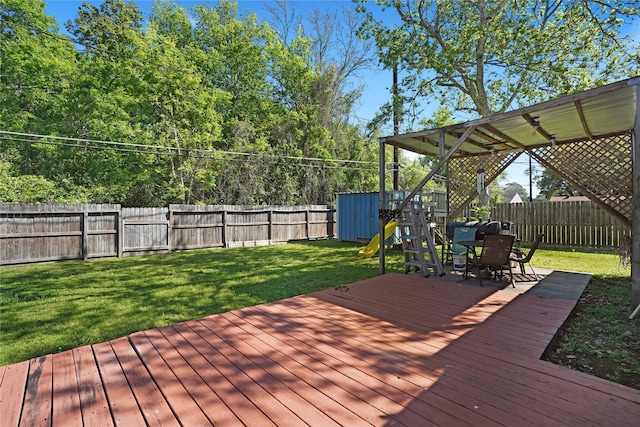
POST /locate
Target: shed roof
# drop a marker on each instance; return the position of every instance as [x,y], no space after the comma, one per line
[596,113]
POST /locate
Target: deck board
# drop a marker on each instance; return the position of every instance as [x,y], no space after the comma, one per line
[12,390]
[36,410]
[362,384]
[309,383]
[93,400]
[249,378]
[276,378]
[180,393]
[494,401]
[388,372]
[150,400]
[394,350]
[67,410]
[487,377]
[122,402]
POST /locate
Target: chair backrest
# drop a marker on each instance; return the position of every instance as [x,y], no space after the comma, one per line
[533,248]
[461,234]
[496,249]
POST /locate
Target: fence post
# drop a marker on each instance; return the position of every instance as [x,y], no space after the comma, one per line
[169,228]
[306,226]
[85,234]
[119,232]
[333,212]
[224,228]
[270,231]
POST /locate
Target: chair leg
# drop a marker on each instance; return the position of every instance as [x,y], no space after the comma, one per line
[513,283]
[534,272]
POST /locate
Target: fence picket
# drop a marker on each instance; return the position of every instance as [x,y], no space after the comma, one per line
[566,224]
[36,233]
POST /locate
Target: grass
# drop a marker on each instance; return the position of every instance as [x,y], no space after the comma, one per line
[599,338]
[48,308]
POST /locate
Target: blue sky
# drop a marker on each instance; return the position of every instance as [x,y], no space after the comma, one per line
[376,82]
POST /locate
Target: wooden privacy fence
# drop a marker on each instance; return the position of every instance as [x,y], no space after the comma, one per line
[38,233]
[565,224]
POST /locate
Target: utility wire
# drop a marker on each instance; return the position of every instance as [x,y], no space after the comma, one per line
[270,159]
[204,154]
[171,150]
[183,152]
[210,157]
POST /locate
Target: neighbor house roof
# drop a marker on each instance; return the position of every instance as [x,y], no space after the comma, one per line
[569,199]
[516,199]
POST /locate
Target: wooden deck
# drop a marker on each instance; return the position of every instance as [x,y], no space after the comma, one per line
[393,350]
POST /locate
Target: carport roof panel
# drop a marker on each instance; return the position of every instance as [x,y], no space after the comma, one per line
[606,110]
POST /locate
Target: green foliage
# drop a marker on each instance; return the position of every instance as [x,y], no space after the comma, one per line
[412,172]
[15,188]
[206,105]
[482,213]
[600,339]
[486,57]
[550,185]
[442,117]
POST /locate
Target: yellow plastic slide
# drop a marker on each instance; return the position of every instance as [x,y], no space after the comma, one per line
[373,246]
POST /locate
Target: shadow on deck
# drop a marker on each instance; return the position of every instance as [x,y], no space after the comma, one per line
[392,350]
[549,283]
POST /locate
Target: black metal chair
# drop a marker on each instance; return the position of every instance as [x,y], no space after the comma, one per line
[496,250]
[527,259]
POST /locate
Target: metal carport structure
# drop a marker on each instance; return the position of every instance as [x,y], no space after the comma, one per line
[589,139]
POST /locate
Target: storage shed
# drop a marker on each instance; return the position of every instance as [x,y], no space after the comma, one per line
[357,213]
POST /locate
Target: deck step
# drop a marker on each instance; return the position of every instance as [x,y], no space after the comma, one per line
[561,285]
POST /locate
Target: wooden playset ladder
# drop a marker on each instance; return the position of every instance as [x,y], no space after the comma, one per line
[415,233]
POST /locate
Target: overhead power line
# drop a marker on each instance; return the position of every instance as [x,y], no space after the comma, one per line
[130,147]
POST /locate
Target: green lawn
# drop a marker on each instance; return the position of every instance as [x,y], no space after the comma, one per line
[48,308]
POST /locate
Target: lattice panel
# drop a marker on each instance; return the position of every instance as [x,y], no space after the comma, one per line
[602,167]
[462,175]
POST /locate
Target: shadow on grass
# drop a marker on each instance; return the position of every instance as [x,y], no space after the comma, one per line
[53,307]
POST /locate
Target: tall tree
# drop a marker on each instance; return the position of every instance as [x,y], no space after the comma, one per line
[205,105]
[103,104]
[489,56]
[36,65]
[550,185]
[337,53]
[37,69]
[110,28]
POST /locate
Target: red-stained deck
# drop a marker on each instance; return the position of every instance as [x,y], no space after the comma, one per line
[392,350]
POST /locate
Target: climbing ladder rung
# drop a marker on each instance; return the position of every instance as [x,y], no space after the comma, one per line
[414,230]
